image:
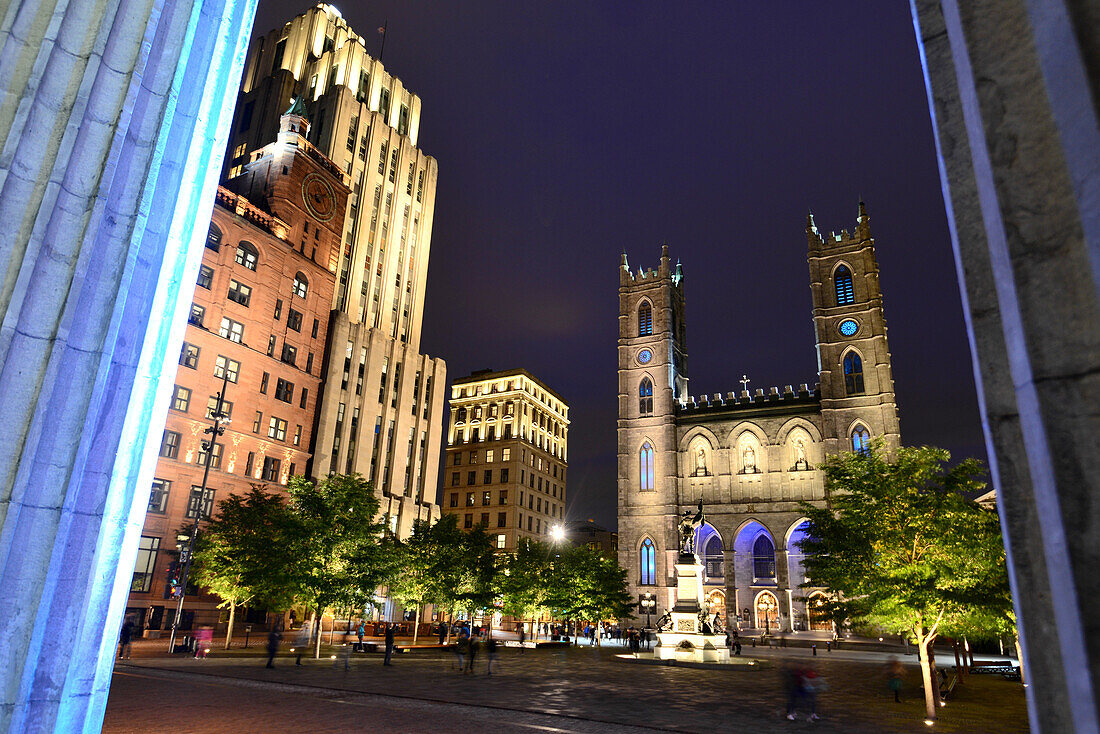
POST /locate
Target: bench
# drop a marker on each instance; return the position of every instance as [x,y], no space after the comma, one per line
[948,683]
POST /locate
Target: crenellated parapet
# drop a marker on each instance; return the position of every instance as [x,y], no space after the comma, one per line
[772,397]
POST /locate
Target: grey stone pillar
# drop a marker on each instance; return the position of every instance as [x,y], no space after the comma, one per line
[113,117]
[1013,90]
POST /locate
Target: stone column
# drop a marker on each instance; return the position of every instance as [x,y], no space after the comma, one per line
[782,578]
[1013,90]
[113,118]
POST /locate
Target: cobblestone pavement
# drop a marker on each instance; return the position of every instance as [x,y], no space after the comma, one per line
[563,689]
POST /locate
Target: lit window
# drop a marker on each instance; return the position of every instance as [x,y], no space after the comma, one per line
[301,285]
[181,398]
[200,503]
[861,441]
[270,470]
[645,396]
[645,320]
[239,292]
[213,237]
[277,429]
[231,330]
[246,255]
[212,406]
[843,280]
[224,365]
[853,374]
[284,390]
[500,542]
[146,564]
[763,558]
[648,562]
[646,471]
[170,445]
[158,496]
[198,313]
[206,276]
[189,356]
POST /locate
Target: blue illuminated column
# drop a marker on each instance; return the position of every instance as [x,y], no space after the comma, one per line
[113,119]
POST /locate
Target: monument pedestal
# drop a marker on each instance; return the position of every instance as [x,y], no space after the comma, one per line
[686,641]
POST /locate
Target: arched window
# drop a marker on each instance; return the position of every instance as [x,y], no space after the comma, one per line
[861,440]
[645,320]
[843,279]
[213,237]
[763,558]
[246,255]
[853,373]
[645,396]
[646,470]
[712,555]
[301,285]
[648,563]
[460,416]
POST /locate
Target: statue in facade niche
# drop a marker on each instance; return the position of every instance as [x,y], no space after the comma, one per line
[800,455]
[749,460]
[700,461]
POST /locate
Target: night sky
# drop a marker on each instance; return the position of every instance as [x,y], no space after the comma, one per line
[568,131]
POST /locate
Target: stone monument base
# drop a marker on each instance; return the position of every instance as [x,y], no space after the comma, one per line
[691,647]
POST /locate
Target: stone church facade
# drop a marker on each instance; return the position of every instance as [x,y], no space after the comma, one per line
[750,457]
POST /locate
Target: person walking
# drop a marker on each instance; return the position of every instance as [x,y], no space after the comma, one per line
[204,640]
[273,638]
[522,638]
[490,651]
[389,642]
[462,648]
[895,672]
[301,643]
[475,645]
[442,633]
[360,632]
[735,642]
[125,638]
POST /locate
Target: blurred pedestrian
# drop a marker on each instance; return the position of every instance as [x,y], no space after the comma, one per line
[204,640]
[895,671]
[475,645]
[125,638]
[301,643]
[273,638]
[389,642]
[522,638]
[490,651]
[735,642]
[360,632]
[462,649]
[442,633]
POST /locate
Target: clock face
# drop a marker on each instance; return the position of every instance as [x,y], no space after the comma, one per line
[318,197]
[644,356]
[848,327]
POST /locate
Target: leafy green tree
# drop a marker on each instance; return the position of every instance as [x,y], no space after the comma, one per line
[477,572]
[427,565]
[237,556]
[898,544]
[584,584]
[336,541]
[524,590]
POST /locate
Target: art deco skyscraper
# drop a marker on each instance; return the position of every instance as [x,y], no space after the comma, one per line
[382,404]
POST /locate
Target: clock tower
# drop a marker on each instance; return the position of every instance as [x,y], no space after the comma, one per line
[293,181]
[652,379]
[853,355]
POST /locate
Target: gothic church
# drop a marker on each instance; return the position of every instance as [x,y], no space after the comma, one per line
[750,457]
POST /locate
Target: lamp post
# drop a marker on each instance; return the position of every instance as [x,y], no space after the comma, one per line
[648,605]
[216,428]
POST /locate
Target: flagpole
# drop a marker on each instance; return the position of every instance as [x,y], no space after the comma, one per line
[382,30]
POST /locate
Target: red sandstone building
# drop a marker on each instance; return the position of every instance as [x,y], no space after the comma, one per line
[260,315]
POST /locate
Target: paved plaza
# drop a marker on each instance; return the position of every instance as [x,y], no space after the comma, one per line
[578,689]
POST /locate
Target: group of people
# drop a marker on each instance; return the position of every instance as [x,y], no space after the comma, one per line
[468,647]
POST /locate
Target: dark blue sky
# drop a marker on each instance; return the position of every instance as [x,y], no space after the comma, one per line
[567,131]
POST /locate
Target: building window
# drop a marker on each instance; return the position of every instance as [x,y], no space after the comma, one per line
[294,320]
[158,496]
[646,471]
[239,292]
[488,478]
[271,470]
[645,396]
[146,564]
[181,398]
[505,455]
[763,558]
[215,456]
[648,563]
[199,503]
[231,330]
[224,365]
[471,478]
[246,255]
[206,277]
[276,429]
[284,391]
[290,354]
[170,445]
[645,320]
[213,237]
[212,406]
[502,519]
[189,356]
[503,497]
[455,479]
[861,441]
[301,285]
[271,342]
[843,279]
[712,553]
[468,522]
[500,541]
[486,498]
[198,313]
[853,374]
[263,383]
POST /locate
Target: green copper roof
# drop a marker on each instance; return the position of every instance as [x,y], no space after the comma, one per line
[297,107]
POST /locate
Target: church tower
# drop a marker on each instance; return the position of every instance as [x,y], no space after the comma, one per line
[652,378]
[857,384]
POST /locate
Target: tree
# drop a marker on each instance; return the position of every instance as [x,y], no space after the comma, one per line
[477,571]
[425,565]
[524,590]
[586,584]
[897,545]
[336,541]
[236,555]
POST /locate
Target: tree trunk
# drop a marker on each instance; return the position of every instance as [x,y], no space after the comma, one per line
[232,617]
[1019,658]
[317,642]
[416,624]
[927,670]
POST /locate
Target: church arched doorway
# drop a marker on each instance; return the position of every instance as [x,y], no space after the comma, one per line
[819,621]
[767,611]
[716,604]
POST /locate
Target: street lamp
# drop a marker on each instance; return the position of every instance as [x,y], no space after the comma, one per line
[216,428]
[766,605]
[557,533]
[648,605]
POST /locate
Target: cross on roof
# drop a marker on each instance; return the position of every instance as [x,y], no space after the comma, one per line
[744,382]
